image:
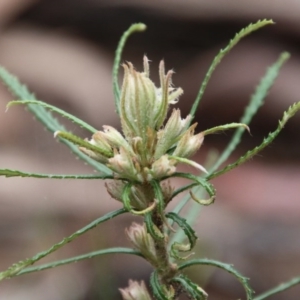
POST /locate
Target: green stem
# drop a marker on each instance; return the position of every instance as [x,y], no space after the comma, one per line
[166,270]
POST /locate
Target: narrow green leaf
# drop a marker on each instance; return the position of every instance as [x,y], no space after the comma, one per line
[45,117]
[192,289]
[179,191]
[226,267]
[244,32]
[193,212]
[82,143]
[57,110]
[116,250]
[18,267]
[278,289]
[188,162]
[210,161]
[225,127]
[189,232]
[127,205]
[99,167]
[160,291]
[256,101]
[269,139]
[126,198]
[152,228]
[159,197]
[160,201]
[133,28]
[292,110]
[200,182]
[17,173]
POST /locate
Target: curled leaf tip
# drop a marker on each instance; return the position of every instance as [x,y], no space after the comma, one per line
[199,167]
[169,226]
[9,104]
[144,211]
[140,26]
[286,55]
[204,202]
[189,162]
[56,133]
[246,127]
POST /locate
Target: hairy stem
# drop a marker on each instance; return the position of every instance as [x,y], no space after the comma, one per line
[166,270]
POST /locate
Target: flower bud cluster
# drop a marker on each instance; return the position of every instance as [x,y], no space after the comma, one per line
[141,153]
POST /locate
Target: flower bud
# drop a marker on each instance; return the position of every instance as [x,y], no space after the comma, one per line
[189,143]
[99,141]
[138,96]
[115,189]
[142,241]
[122,164]
[146,150]
[168,136]
[142,104]
[114,138]
[96,156]
[167,189]
[163,167]
[135,291]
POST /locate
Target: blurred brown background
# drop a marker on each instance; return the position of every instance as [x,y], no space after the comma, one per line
[63,50]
